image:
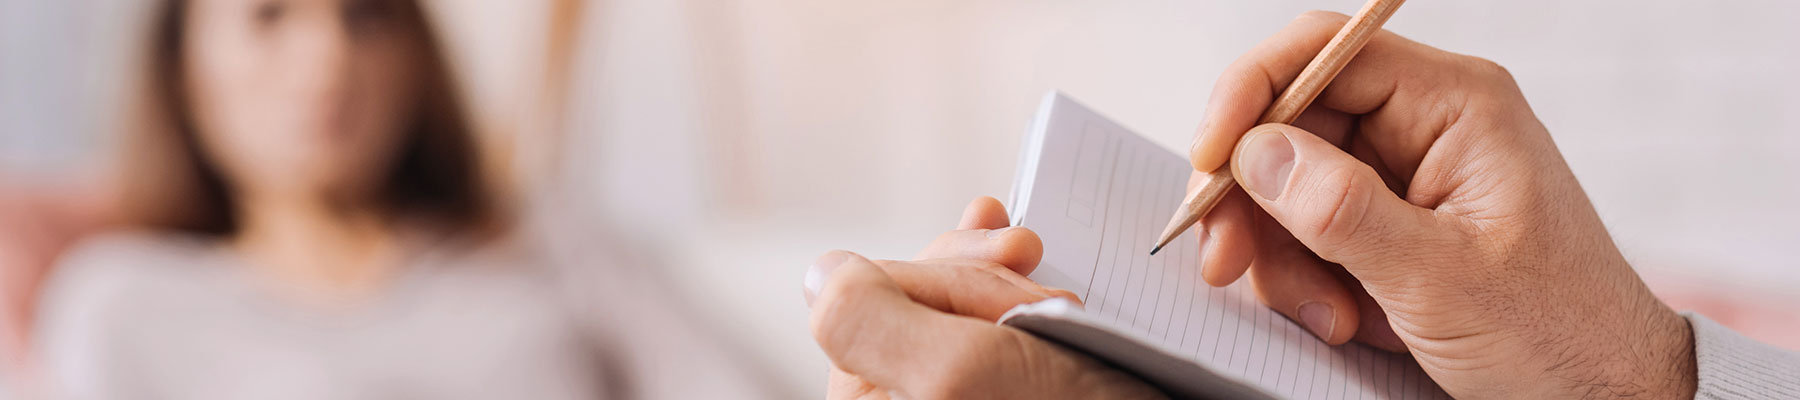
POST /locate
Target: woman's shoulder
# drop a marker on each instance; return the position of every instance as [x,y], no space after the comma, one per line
[114,267]
[135,250]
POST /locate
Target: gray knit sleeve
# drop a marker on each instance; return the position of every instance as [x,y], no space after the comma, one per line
[1735,367]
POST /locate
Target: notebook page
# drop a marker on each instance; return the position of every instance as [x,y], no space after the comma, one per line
[1098,195]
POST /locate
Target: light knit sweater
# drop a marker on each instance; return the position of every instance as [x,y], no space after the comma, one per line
[166,316]
[1735,367]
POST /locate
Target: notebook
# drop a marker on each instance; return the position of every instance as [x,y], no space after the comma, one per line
[1098,194]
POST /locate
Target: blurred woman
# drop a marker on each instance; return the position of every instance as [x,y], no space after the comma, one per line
[308,216]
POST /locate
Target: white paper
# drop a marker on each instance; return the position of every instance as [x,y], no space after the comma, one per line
[1098,195]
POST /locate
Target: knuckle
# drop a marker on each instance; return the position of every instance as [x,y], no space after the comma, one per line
[987,268]
[988,278]
[825,329]
[980,269]
[1246,68]
[834,316]
[1343,207]
[1321,17]
[1488,70]
[1487,66]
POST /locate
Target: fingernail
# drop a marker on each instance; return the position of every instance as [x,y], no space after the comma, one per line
[997,233]
[1199,137]
[1062,293]
[820,271]
[1318,318]
[1267,160]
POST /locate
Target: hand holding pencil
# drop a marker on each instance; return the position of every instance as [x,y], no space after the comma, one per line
[1300,93]
[1419,205]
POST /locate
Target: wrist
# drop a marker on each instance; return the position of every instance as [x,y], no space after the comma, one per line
[1655,360]
[1673,350]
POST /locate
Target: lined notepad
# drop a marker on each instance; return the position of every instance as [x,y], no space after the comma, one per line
[1097,194]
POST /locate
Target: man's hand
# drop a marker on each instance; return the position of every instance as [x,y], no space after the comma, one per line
[1419,205]
[925,329]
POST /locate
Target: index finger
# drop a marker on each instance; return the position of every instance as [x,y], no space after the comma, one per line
[973,288]
[1365,85]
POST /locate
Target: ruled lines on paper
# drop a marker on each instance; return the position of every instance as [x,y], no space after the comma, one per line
[1111,190]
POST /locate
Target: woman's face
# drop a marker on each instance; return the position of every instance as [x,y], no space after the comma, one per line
[301,97]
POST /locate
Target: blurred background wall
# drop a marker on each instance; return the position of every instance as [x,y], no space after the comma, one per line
[747,136]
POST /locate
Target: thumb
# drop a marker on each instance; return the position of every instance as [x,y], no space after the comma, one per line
[1333,203]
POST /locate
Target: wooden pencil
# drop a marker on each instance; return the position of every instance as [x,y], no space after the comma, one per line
[1286,108]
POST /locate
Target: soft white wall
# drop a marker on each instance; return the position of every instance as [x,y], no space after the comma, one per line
[58,68]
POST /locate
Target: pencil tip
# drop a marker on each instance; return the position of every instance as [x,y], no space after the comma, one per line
[1154,250]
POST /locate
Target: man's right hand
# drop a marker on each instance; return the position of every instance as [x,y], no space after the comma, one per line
[1419,205]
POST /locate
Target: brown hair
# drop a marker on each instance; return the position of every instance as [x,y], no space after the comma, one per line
[169,183]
